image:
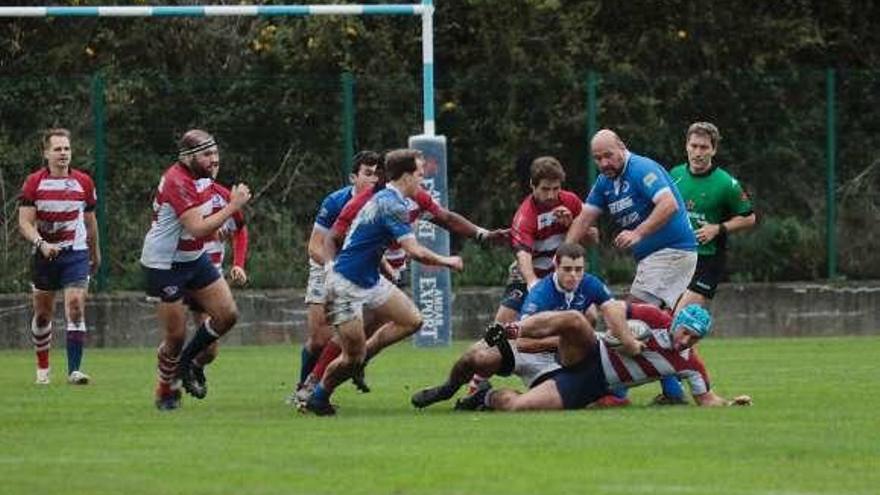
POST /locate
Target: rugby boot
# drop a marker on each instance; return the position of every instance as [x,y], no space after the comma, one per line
[168,402]
[77,377]
[475,401]
[426,397]
[497,332]
[190,378]
[319,407]
[359,380]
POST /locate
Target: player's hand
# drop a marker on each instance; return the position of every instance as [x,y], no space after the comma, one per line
[627,239]
[740,400]
[240,195]
[593,235]
[632,348]
[223,234]
[563,216]
[495,237]
[238,276]
[50,251]
[454,263]
[707,232]
[94,262]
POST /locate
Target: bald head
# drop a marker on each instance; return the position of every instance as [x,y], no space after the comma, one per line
[609,152]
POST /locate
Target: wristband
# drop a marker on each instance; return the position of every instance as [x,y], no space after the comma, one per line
[481,234]
[38,242]
[722,230]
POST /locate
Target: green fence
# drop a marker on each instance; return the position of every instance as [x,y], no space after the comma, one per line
[803,144]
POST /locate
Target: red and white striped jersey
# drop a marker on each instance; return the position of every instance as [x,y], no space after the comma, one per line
[537,230]
[421,207]
[657,360]
[215,247]
[167,241]
[61,203]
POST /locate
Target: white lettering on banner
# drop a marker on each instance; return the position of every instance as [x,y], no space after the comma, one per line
[621,204]
[426,231]
[429,185]
[431,307]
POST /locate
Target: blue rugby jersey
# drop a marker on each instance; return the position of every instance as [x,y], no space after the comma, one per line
[547,295]
[331,206]
[629,199]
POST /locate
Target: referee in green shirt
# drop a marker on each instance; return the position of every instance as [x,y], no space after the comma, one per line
[717,206]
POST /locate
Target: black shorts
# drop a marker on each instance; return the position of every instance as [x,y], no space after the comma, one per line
[582,383]
[514,295]
[710,270]
[171,285]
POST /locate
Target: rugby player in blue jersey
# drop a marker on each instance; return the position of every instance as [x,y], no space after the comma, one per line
[646,206]
[354,282]
[567,288]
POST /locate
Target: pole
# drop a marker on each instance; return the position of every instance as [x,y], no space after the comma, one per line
[592,128]
[100,177]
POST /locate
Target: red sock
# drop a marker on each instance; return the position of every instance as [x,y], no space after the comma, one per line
[43,359]
[330,352]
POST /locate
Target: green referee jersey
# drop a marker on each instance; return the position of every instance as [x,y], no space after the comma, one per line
[710,199]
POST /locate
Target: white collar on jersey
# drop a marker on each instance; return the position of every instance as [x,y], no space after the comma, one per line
[396,190]
[569,295]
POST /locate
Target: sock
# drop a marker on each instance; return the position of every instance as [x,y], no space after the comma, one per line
[42,340]
[671,387]
[620,392]
[166,370]
[76,337]
[331,350]
[321,394]
[204,337]
[309,360]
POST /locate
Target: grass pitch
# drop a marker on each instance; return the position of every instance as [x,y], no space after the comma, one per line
[814,429]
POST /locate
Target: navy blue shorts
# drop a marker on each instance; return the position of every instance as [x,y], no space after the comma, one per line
[171,285]
[68,268]
[514,295]
[583,383]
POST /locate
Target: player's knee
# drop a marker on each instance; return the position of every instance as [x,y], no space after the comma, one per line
[42,320]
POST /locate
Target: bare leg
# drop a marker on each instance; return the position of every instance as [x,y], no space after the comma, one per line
[543,397]
[576,335]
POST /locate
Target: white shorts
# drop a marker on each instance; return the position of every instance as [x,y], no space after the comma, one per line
[316,292]
[529,366]
[663,276]
[346,300]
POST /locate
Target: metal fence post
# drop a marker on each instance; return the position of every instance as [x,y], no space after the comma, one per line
[592,128]
[100,176]
[347,124]
[831,165]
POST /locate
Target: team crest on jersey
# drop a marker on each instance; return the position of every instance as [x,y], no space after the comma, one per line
[689,204]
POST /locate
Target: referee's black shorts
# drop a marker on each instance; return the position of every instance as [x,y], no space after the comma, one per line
[709,272]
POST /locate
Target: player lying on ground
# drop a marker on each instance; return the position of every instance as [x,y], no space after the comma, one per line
[566,288]
[591,366]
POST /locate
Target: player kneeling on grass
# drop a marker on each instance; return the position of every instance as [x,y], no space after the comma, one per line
[591,366]
[354,284]
[567,287]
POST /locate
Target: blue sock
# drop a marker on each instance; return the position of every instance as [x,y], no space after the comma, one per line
[75,340]
[308,363]
[620,392]
[671,387]
[320,394]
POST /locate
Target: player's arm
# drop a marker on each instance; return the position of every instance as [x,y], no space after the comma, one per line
[711,399]
[91,222]
[199,226]
[526,267]
[316,245]
[424,255]
[458,224]
[665,207]
[240,241]
[614,314]
[27,226]
[582,223]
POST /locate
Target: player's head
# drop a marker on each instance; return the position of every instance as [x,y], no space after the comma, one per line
[570,262]
[609,152]
[56,147]
[546,176]
[405,168]
[198,150]
[691,324]
[366,168]
[701,144]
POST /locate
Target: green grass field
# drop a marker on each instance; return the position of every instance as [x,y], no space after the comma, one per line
[814,429]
